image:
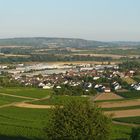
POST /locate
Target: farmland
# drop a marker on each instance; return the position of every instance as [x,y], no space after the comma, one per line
[129,94]
[135,120]
[28,123]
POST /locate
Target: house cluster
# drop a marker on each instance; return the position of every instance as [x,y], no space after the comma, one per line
[136,86]
[100,77]
[87,78]
[116,85]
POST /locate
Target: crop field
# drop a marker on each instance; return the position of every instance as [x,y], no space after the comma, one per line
[121,108]
[27,123]
[23,122]
[134,120]
[121,132]
[28,92]
[58,100]
[6,99]
[129,94]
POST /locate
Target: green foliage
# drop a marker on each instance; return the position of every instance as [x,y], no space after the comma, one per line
[135,135]
[6,81]
[130,65]
[73,90]
[79,121]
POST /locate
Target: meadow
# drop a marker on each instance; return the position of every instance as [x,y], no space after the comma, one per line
[134,120]
[19,123]
[130,94]
[28,92]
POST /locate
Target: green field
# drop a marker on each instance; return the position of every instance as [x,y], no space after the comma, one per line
[121,108]
[59,100]
[6,99]
[28,92]
[129,94]
[121,132]
[135,120]
[28,124]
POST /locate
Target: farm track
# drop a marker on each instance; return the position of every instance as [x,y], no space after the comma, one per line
[123,113]
[23,97]
[126,103]
[115,114]
[28,105]
[107,96]
[126,124]
[22,103]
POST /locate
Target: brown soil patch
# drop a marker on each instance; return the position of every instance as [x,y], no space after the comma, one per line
[107,96]
[27,105]
[120,103]
[124,113]
[101,55]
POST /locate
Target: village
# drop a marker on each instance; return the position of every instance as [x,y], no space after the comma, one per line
[89,77]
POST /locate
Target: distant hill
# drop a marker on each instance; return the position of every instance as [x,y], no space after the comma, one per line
[60,42]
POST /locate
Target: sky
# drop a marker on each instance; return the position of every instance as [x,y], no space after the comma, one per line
[104,20]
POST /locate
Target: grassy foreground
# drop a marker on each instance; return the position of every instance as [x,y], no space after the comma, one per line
[28,124]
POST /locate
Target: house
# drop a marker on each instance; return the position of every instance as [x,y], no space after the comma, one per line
[116,86]
[107,90]
[136,86]
[46,87]
[58,87]
[96,78]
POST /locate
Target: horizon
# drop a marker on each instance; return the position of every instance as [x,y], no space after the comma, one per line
[28,37]
[99,20]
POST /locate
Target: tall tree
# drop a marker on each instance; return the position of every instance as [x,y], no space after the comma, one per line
[79,121]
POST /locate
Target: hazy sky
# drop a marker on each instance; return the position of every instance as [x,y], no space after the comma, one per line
[89,19]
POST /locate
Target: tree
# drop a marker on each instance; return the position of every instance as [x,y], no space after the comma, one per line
[78,120]
[135,135]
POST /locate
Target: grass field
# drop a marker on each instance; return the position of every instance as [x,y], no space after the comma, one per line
[29,123]
[58,100]
[134,120]
[129,94]
[121,132]
[17,123]
[6,99]
[121,108]
[28,92]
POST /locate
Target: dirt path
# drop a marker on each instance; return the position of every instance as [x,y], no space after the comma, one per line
[25,102]
[107,96]
[28,105]
[119,103]
[8,105]
[23,97]
[124,113]
[126,124]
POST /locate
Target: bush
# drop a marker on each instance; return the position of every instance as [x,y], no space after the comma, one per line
[78,121]
[135,135]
